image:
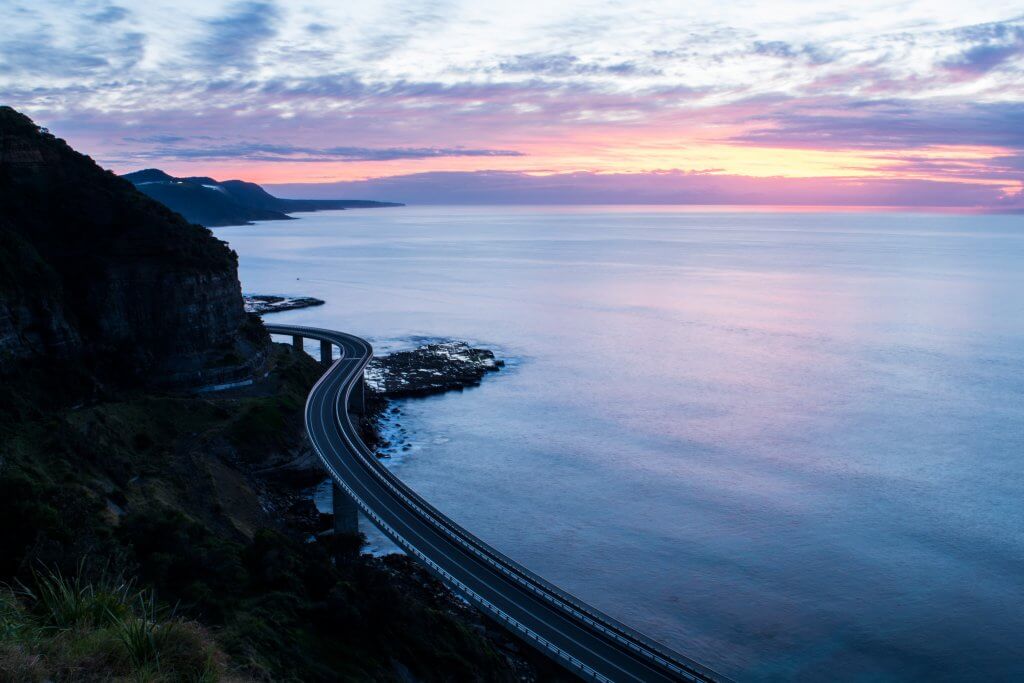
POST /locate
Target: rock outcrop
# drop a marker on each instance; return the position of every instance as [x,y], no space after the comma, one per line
[430,369]
[264,303]
[93,272]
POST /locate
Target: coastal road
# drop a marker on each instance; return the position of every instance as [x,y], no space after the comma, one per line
[576,635]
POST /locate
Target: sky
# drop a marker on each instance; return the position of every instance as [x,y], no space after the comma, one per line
[915,103]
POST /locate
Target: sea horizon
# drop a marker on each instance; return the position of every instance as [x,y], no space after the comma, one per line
[739,208]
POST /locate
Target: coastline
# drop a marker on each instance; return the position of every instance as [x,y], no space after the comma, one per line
[430,369]
[437,367]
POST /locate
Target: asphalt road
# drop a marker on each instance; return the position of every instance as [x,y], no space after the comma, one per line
[576,635]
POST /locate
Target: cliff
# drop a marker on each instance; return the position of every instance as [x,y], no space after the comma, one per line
[95,275]
[117,507]
[231,202]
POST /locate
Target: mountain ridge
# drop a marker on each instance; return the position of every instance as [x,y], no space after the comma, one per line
[216,203]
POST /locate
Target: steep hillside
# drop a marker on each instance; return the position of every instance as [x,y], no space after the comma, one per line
[201,502]
[94,273]
[207,204]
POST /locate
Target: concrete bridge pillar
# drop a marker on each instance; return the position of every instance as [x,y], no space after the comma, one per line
[325,352]
[346,514]
[297,341]
[357,399]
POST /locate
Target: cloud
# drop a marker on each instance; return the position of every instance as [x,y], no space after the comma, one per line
[387,154]
[783,50]
[41,53]
[564,64]
[38,55]
[886,124]
[110,15]
[324,85]
[1005,168]
[163,139]
[1015,161]
[984,58]
[235,37]
[276,152]
[318,28]
[993,45]
[594,86]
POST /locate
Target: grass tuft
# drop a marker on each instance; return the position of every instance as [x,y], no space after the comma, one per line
[141,634]
[65,627]
[69,602]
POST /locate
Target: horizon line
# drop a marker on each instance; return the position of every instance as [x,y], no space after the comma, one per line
[722,206]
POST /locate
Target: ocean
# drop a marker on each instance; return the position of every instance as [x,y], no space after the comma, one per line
[788,444]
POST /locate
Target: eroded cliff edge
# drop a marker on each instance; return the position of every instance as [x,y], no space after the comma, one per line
[95,274]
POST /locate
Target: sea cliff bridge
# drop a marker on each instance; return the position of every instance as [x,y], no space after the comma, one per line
[576,635]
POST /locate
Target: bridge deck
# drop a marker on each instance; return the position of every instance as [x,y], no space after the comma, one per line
[559,624]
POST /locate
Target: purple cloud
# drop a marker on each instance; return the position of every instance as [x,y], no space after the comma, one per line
[565,64]
[887,124]
[40,53]
[233,38]
[255,151]
[783,50]
[994,45]
[266,81]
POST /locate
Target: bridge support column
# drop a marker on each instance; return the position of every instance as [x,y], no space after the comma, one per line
[346,514]
[357,399]
[325,352]
[297,341]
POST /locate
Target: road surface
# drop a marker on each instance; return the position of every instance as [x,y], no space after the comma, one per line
[576,635]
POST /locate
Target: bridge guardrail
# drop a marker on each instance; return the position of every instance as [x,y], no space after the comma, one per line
[563,600]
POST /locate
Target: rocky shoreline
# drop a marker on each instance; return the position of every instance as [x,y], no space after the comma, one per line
[265,303]
[431,369]
[285,479]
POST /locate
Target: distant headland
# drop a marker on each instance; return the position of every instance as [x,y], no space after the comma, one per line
[215,203]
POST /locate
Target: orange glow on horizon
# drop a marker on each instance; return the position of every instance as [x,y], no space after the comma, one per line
[612,156]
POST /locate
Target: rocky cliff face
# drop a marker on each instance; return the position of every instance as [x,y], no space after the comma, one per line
[94,272]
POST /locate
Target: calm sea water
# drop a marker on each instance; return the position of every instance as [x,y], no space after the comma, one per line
[789,445]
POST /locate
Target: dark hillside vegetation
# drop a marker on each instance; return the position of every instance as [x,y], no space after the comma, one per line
[176,494]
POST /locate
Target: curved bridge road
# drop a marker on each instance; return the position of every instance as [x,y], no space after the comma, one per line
[570,631]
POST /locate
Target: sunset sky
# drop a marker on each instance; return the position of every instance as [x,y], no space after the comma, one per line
[898,103]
